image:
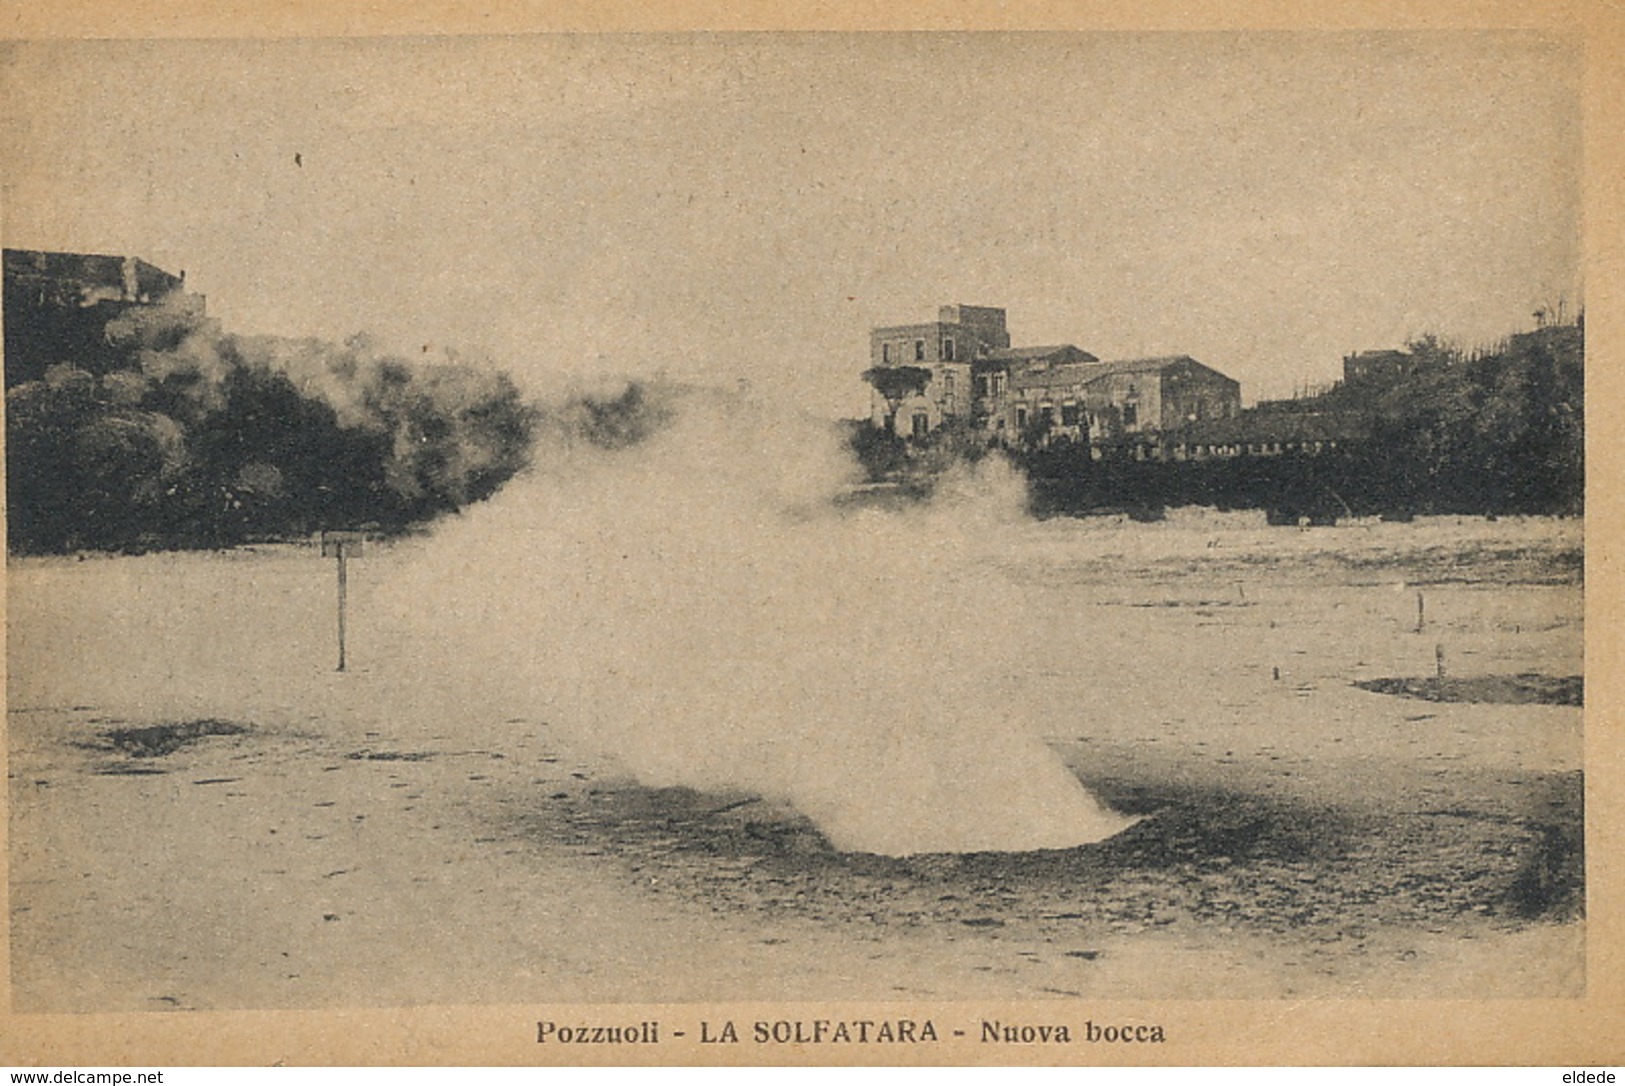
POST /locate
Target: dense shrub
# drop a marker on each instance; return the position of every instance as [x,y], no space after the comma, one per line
[195,438]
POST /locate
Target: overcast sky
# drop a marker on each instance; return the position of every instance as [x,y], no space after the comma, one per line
[748,206]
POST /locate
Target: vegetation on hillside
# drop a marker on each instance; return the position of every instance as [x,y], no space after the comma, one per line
[1500,432]
[197,438]
[1496,432]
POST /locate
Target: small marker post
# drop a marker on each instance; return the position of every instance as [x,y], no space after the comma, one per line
[342,546]
[343,598]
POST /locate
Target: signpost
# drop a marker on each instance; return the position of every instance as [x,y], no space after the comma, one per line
[343,546]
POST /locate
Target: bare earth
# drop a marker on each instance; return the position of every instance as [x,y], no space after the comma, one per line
[205,815]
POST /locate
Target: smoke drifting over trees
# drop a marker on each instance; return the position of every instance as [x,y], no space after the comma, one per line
[198,438]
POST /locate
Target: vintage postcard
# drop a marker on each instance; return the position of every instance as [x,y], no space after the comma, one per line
[902,541]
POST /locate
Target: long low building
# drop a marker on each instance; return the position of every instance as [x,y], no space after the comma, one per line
[1265,433]
[1112,401]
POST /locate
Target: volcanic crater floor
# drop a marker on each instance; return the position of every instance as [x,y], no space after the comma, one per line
[211,818]
[1197,857]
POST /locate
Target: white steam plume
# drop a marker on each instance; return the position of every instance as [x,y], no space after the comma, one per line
[694,606]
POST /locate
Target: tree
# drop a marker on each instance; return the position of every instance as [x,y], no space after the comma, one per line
[896,383]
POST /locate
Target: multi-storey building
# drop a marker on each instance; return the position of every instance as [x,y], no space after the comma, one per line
[920,374]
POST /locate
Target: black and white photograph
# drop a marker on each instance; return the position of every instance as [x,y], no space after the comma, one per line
[881,521]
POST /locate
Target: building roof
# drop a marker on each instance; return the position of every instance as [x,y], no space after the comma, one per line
[1087,370]
[1142,365]
[1074,374]
[910,330]
[1065,351]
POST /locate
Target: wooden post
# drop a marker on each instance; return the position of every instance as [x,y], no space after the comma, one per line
[342,546]
[343,592]
[1421,611]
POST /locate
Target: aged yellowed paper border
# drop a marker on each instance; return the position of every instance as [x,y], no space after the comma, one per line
[1587,1030]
